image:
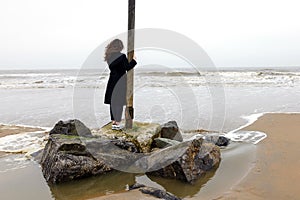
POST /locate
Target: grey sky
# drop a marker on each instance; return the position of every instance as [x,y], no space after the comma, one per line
[235,33]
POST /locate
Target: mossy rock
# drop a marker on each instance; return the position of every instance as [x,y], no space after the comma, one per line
[142,134]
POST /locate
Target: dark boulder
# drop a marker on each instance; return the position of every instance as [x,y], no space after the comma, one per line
[223,141]
[136,186]
[71,127]
[217,139]
[66,158]
[161,194]
[171,131]
[198,158]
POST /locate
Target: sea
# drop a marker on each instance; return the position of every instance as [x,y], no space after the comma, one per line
[221,100]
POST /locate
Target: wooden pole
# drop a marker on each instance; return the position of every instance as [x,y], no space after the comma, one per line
[129,112]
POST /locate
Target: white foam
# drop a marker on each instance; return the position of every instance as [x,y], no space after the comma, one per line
[28,142]
[253,137]
[251,119]
[58,80]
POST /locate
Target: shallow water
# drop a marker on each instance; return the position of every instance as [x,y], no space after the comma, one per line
[217,101]
[24,176]
[22,179]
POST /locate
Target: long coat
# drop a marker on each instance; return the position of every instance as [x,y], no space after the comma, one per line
[117,83]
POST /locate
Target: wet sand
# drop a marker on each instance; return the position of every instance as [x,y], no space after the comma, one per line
[2,154]
[276,173]
[11,130]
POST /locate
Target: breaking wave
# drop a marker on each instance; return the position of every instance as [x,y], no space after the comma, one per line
[98,79]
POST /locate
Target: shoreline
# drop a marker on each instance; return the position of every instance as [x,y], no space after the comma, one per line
[271,175]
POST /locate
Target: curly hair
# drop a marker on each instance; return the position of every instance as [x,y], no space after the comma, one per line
[114,46]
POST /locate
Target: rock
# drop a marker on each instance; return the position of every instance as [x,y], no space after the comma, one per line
[126,145]
[69,155]
[136,186]
[153,191]
[198,158]
[171,131]
[141,135]
[37,156]
[164,142]
[217,139]
[223,141]
[116,156]
[66,158]
[158,193]
[71,127]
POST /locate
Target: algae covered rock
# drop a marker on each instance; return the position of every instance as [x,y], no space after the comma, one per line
[141,135]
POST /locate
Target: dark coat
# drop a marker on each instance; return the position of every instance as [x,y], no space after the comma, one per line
[117,82]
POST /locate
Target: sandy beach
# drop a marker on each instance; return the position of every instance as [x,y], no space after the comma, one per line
[276,171]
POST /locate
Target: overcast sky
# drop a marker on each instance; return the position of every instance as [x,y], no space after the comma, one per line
[235,33]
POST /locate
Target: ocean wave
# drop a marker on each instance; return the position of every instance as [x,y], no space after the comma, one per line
[155,79]
[29,75]
[171,73]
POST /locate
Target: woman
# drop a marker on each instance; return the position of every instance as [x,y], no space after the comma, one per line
[115,94]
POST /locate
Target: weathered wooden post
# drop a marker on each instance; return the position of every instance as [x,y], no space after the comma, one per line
[129,112]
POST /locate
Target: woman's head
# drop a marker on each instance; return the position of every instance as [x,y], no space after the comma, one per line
[114,46]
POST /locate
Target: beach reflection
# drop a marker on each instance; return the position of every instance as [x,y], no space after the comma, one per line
[86,188]
[182,189]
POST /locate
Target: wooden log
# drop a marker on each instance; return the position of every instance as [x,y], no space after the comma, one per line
[129,112]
